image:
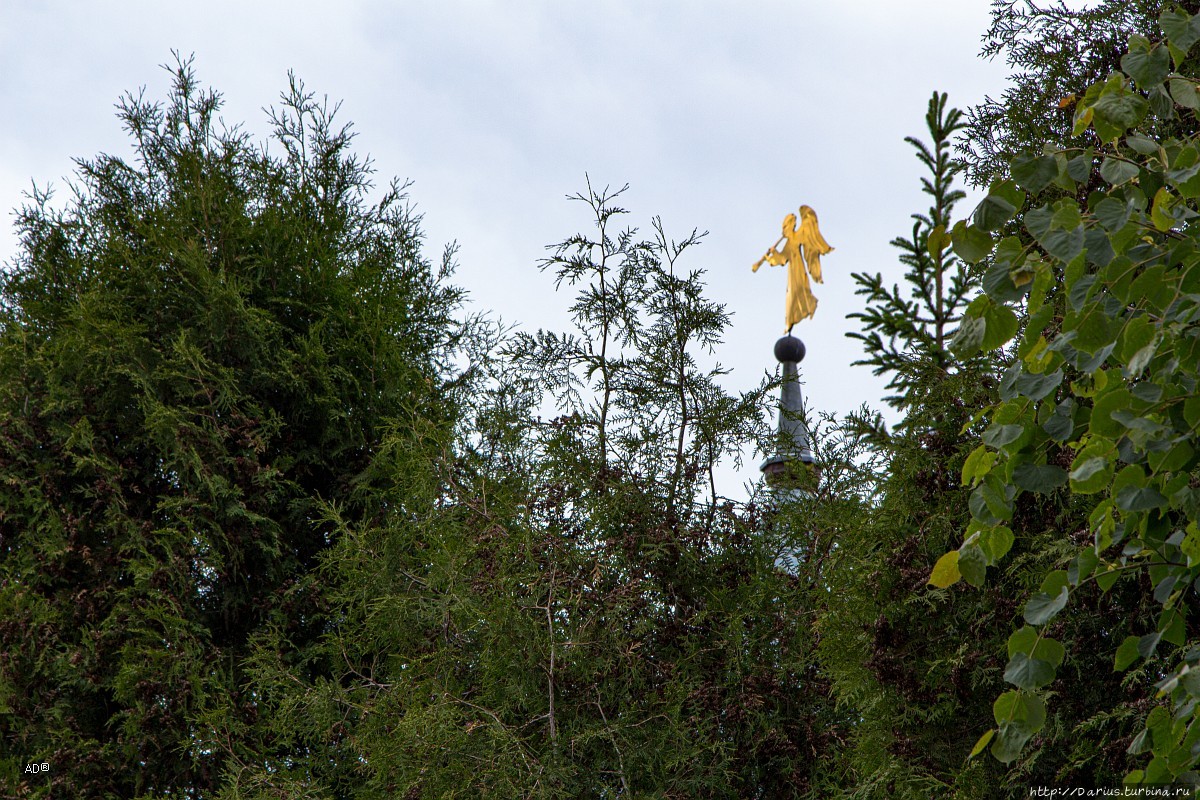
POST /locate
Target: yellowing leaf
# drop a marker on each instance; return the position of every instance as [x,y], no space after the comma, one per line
[1066,102]
[945,572]
[982,743]
[1022,275]
[937,240]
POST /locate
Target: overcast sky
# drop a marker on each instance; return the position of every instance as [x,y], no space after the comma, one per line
[721,116]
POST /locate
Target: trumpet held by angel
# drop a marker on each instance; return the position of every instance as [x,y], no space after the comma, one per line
[801,249]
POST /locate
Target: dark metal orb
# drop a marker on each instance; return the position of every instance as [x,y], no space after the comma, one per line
[789,348]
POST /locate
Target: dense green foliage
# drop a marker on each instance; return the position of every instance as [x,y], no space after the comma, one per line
[892,646]
[1055,50]
[566,608]
[263,535]
[198,355]
[1099,401]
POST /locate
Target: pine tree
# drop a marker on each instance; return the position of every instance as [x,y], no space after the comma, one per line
[906,333]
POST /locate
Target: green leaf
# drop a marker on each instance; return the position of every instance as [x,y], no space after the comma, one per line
[1162,211]
[1019,715]
[971,244]
[1126,654]
[1140,360]
[1105,580]
[1038,221]
[1066,216]
[1039,478]
[1112,213]
[1191,544]
[1141,144]
[1022,641]
[1064,245]
[996,542]
[969,336]
[1138,332]
[1099,248]
[1117,110]
[1055,581]
[1028,673]
[999,284]
[1176,458]
[1094,331]
[1184,170]
[1091,474]
[1116,171]
[1003,201]
[985,325]
[1180,29]
[1007,708]
[1173,628]
[1165,587]
[982,743]
[1009,741]
[1161,104]
[1102,410]
[1061,424]
[1079,168]
[972,564]
[1136,498]
[1034,173]
[1185,93]
[1042,607]
[945,572]
[1146,64]
[1001,326]
[1083,565]
[978,464]
[988,504]
[1147,644]
[1037,387]
[936,241]
[1050,651]
[997,436]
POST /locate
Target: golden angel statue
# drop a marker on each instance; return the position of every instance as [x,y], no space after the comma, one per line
[802,250]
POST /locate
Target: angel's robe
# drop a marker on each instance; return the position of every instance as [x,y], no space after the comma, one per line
[802,250]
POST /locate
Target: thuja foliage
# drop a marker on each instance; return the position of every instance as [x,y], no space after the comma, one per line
[566,608]
[1100,402]
[1055,51]
[199,352]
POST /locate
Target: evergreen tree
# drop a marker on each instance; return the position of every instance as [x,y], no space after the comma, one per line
[917,322]
[1056,51]
[571,610]
[200,353]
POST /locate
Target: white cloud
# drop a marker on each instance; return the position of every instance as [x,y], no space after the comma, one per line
[722,116]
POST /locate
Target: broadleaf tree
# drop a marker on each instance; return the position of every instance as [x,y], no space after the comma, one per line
[895,646]
[1100,398]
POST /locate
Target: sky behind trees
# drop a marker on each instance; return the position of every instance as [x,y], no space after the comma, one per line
[721,117]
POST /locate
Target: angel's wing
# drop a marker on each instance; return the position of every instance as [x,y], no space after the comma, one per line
[812,241]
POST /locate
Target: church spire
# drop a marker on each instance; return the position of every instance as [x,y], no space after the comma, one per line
[793,454]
